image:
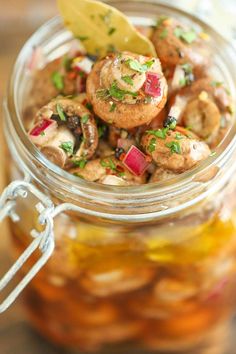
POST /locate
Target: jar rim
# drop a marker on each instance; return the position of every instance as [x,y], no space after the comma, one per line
[184,183]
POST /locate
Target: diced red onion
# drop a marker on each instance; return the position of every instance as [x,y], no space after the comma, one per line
[179,75]
[152,85]
[37,59]
[43,131]
[136,161]
[124,144]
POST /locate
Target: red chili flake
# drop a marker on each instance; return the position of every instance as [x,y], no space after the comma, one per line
[41,127]
[136,161]
[152,85]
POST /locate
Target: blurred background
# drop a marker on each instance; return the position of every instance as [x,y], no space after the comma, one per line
[18,20]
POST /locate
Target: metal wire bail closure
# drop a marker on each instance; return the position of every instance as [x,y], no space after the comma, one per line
[44,241]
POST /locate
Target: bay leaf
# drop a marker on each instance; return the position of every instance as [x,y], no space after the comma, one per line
[103,28]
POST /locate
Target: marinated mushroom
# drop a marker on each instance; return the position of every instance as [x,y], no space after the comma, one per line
[127,90]
[174,151]
[104,170]
[76,136]
[177,44]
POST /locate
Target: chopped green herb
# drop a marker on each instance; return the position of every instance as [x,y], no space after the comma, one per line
[186,36]
[188,69]
[85,118]
[101,130]
[174,147]
[216,83]
[213,153]
[141,68]
[178,136]
[111,31]
[182,82]
[113,107]
[108,164]
[170,122]
[80,163]
[114,92]
[106,18]
[89,106]
[42,134]
[83,38]
[152,145]
[58,80]
[128,80]
[164,33]
[66,62]
[67,147]
[159,133]
[61,113]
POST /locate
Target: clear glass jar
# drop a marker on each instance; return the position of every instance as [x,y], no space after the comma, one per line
[152,265]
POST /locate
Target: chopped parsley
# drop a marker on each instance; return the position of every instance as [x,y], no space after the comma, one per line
[89,106]
[83,38]
[85,118]
[66,62]
[115,92]
[186,36]
[108,164]
[152,145]
[188,75]
[213,153]
[164,33]
[170,122]
[111,31]
[159,133]
[42,134]
[67,147]
[174,147]
[61,113]
[113,107]
[80,163]
[128,80]
[58,80]
[101,130]
[179,136]
[141,68]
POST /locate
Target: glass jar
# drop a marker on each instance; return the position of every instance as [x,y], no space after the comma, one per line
[151,265]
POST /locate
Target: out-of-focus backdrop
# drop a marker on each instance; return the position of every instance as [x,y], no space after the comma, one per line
[18,20]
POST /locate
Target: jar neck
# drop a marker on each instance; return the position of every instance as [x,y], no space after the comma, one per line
[133,203]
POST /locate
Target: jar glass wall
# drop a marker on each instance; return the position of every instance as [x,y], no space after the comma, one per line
[156,269]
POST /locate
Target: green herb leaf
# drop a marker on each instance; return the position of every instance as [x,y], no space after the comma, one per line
[111,31]
[174,147]
[108,164]
[58,80]
[83,38]
[61,113]
[128,80]
[80,163]
[113,107]
[118,93]
[67,147]
[186,36]
[159,133]
[179,136]
[164,33]
[89,106]
[141,68]
[101,130]
[85,119]
[66,62]
[42,134]
[152,145]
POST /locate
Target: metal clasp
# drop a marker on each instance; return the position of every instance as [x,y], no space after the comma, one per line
[44,240]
